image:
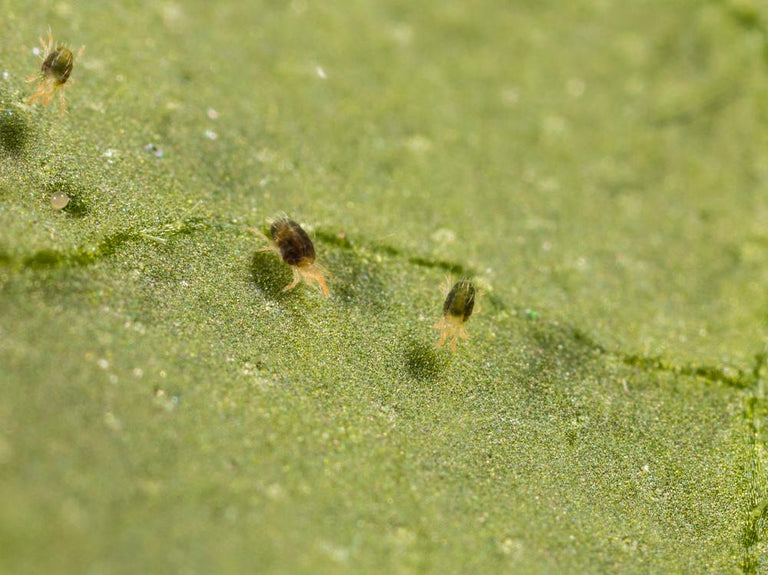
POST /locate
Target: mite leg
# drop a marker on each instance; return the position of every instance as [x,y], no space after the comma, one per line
[318,277]
[295,282]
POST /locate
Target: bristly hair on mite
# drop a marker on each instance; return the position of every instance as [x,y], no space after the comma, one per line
[58,62]
[293,245]
[457,309]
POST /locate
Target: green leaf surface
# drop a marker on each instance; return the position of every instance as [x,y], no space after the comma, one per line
[598,166]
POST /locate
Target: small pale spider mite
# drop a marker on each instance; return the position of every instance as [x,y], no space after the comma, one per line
[293,245]
[457,309]
[55,70]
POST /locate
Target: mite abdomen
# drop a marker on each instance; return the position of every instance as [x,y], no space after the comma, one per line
[460,301]
[293,242]
[58,64]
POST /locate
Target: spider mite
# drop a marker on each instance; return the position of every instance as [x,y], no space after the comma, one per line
[296,249]
[457,309]
[58,62]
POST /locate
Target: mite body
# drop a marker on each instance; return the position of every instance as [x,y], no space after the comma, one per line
[293,242]
[296,249]
[58,61]
[457,309]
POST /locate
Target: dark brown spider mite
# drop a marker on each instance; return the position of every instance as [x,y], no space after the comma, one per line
[457,309]
[58,61]
[297,250]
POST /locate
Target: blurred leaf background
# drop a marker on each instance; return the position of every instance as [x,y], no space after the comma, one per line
[599,166]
